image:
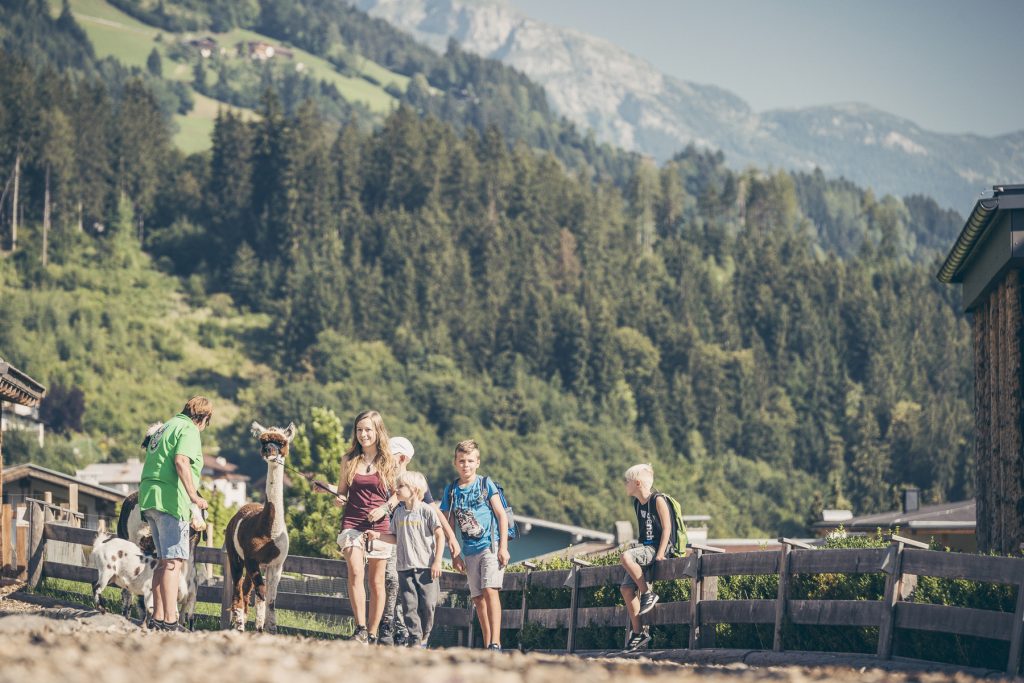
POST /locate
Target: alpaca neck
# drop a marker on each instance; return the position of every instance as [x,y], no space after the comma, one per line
[275,495]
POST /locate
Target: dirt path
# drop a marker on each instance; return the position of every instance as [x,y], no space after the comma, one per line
[56,644]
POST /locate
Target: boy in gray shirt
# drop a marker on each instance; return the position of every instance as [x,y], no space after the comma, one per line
[420,539]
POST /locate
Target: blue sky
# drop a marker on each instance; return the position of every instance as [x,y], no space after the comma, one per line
[951,67]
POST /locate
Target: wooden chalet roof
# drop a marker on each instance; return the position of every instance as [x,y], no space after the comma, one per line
[33,471]
[17,387]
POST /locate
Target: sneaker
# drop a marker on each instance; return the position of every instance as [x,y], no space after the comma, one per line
[385,635]
[401,636]
[169,626]
[638,640]
[647,601]
[361,635]
[372,639]
[495,647]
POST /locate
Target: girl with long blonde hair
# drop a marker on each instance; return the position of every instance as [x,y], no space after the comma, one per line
[367,479]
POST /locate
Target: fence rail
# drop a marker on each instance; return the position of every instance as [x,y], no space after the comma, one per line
[902,562]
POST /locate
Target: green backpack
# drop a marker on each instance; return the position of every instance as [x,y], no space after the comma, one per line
[677,535]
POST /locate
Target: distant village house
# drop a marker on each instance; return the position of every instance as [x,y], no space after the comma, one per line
[206,47]
[264,51]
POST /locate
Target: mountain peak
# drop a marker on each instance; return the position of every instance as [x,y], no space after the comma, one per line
[629,103]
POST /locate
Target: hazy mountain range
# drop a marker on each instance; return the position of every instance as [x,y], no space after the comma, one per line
[628,102]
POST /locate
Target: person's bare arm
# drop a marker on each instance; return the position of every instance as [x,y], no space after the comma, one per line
[435,568]
[499,514]
[342,490]
[453,543]
[665,515]
[184,468]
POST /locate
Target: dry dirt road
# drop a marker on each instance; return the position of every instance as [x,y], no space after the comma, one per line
[71,645]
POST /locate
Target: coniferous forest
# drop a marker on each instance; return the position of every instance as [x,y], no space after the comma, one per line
[773,343]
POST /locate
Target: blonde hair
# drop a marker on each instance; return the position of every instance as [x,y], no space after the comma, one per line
[467,446]
[642,473]
[384,461]
[198,408]
[416,482]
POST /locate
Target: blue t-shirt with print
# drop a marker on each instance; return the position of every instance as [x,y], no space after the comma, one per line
[472,515]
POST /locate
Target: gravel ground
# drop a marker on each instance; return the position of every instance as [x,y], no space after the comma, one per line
[54,643]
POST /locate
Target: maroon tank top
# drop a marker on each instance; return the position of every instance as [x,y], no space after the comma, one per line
[365,493]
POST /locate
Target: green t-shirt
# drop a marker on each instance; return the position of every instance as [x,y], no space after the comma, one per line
[160,488]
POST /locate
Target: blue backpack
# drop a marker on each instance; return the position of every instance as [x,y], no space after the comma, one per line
[513,530]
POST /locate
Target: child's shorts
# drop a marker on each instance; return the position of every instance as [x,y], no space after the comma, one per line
[353,538]
[644,556]
[483,572]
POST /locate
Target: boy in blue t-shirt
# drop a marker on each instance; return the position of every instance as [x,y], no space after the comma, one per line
[477,512]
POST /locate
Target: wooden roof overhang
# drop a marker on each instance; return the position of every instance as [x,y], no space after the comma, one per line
[991,242]
[17,387]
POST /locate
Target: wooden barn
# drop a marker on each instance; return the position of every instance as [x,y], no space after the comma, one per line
[987,261]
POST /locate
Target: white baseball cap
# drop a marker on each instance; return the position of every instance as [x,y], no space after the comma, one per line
[401,446]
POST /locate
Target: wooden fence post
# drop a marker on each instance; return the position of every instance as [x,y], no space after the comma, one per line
[226,594]
[1017,636]
[37,544]
[21,552]
[523,607]
[893,564]
[574,603]
[782,596]
[6,536]
[696,587]
[708,591]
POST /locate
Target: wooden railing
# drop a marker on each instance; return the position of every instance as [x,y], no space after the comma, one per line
[902,562]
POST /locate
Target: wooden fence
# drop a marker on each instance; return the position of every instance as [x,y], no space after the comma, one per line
[902,562]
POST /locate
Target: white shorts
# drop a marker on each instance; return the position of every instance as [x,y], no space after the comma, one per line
[353,538]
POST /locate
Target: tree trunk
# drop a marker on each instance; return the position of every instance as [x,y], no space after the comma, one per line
[14,204]
[81,225]
[46,216]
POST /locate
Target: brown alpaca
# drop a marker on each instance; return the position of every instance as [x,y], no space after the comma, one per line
[256,539]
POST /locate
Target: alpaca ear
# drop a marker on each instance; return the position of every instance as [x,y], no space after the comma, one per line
[289,431]
[257,429]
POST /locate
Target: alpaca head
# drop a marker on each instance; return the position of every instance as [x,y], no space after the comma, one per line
[274,441]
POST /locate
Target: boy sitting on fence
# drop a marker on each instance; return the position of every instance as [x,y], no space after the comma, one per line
[654,526]
[420,539]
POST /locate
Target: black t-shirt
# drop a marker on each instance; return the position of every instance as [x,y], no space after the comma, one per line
[648,521]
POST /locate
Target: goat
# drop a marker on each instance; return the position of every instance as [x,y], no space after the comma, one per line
[122,563]
[131,527]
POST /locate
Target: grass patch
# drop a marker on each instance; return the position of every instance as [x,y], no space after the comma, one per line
[112,32]
[352,88]
[195,129]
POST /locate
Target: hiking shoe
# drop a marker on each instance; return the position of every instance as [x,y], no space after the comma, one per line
[401,636]
[494,647]
[385,636]
[169,626]
[647,601]
[361,635]
[638,640]
[372,639]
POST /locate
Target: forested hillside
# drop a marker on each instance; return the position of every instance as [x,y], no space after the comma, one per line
[771,343]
